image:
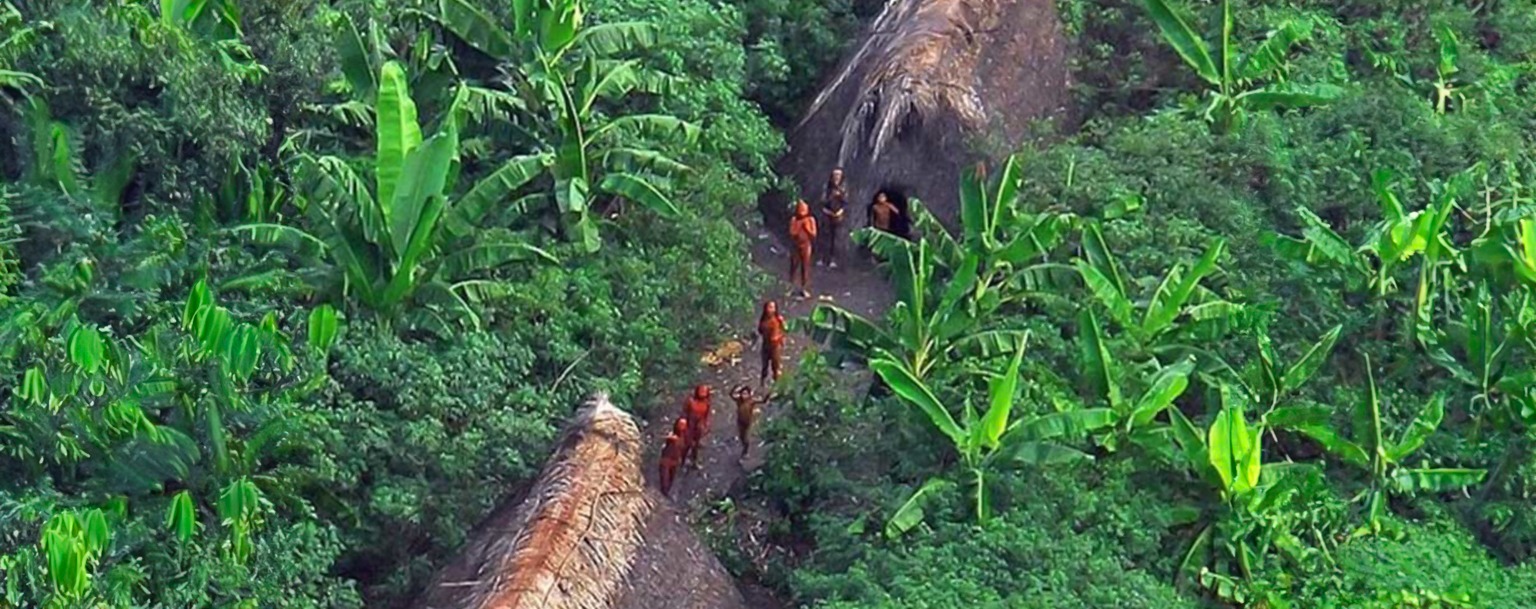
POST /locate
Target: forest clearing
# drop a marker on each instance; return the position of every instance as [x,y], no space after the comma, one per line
[1136,304]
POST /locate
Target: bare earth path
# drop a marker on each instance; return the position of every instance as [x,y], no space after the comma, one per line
[855,285]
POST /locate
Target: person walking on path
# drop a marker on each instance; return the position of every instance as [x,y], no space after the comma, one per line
[672,454]
[834,206]
[697,411]
[770,330]
[802,232]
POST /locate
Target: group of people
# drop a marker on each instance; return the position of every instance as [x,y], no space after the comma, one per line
[689,430]
[883,215]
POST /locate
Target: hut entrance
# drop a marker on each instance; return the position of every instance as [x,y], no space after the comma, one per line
[897,195]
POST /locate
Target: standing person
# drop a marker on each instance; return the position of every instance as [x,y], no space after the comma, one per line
[746,413]
[883,213]
[770,330]
[672,454]
[696,411]
[802,232]
[834,206]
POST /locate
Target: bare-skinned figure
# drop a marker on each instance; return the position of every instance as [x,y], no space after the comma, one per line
[834,207]
[770,330]
[746,413]
[802,233]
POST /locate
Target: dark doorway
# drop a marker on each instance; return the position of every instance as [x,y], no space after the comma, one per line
[897,194]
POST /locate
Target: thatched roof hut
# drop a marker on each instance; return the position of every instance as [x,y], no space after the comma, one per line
[931,87]
[588,534]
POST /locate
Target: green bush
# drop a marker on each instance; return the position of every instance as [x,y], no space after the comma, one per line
[1434,559]
[1073,539]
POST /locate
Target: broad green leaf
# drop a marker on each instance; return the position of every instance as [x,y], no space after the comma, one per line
[1189,439]
[1008,184]
[181,517]
[85,348]
[97,535]
[1099,368]
[1436,480]
[640,190]
[1230,444]
[1184,40]
[494,189]
[426,177]
[1271,54]
[616,38]
[1327,243]
[404,280]
[904,384]
[1310,361]
[1167,385]
[1416,434]
[1336,444]
[34,386]
[1290,96]
[322,328]
[475,27]
[492,251]
[1098,255]
[1176,290]
[1002,392]
[1040,454]
[1068,424]
[397,134]
[973,208]
[1102,287]
[1298,417]
[911,514]
[354,57]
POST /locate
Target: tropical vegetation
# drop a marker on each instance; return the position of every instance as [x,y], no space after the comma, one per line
[292,294]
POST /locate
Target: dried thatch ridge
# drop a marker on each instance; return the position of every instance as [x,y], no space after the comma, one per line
[931,87]
[577,532]
[924,65]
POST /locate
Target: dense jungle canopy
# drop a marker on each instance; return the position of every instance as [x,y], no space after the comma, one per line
[294,293]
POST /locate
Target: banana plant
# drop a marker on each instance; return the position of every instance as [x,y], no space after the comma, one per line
[1240,83]
[932,323]
[991,442]
[1105,383]
[1252,515]
[1396,239]
[1479,348]
[563,69]
[1179,303]
[1383,460]
[1013,247]
[1271,384]
[410,237]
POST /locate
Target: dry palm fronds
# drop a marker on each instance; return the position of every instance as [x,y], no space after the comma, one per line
[728,352]
[918,63]
[571,543]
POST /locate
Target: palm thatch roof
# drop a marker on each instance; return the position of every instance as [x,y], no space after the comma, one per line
[932,86]
[585,535]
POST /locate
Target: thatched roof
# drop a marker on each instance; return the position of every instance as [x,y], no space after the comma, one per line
[930,85]
[588,534]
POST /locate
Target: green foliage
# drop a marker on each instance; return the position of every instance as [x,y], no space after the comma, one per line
[1074,538]
[564,70]
[990,441]
[1239,79]
[400,238]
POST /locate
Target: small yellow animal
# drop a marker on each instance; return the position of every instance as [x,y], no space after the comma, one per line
[728,352]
